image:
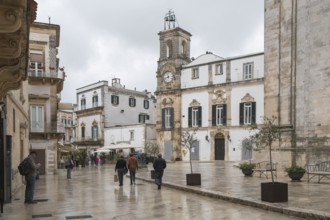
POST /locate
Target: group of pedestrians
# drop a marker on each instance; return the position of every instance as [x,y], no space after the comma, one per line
[131,165]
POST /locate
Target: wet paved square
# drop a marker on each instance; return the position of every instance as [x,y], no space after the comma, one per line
[92,192]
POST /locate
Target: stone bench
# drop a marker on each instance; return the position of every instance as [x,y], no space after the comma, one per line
[321,170]
[264,167]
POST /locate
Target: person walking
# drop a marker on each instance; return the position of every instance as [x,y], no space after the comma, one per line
[120,169]
[159,167]
[69,166]
[132,164]
[30,178]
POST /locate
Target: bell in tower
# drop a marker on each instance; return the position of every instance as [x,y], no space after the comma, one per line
[174,41]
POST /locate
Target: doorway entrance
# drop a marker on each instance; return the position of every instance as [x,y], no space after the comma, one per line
[219,147]
[41,158]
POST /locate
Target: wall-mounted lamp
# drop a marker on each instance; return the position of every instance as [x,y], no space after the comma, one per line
[122,111]
[207,138]
[228,137]
[182,116]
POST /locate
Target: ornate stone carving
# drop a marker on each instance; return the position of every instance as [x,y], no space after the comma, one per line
[247,98]
[11,17]
[15,19]
[219,97]
[195,103]
[167,102]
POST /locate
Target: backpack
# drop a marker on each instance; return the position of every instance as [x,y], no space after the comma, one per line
[24,167]
[68,163]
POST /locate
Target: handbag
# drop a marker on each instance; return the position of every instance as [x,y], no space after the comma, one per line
[115,178]
[125,170]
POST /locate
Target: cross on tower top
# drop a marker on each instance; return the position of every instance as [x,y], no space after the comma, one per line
[169,20]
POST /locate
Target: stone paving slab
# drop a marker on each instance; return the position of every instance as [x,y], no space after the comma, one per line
[224,181]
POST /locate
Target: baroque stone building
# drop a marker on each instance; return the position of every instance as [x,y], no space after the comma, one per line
[15,19]
[297,76]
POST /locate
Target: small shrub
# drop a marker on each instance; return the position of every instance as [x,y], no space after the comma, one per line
[247,166]
[295,169]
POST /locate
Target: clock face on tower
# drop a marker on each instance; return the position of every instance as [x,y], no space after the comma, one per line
[168,77]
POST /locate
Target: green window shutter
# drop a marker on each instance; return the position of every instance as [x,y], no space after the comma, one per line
[117,100]
[190,117]
[253,119]
[224,119]
[112,99]
[199,117]
[172,117]
[214,115]
[241,113]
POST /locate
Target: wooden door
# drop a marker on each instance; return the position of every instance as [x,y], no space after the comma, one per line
[41,158]
[219,149]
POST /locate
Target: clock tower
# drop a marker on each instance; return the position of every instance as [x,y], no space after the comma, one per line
[174,52]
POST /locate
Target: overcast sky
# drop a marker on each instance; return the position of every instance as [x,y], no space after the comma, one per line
[102,39]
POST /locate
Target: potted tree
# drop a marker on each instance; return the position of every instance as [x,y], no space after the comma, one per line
[82,155]
[295,172]
[187,139]
[264,136]
[152,149]
[247,168]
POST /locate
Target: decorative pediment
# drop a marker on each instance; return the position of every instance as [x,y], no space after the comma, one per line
[247,98]
[195,103]
[94,123]
[82,124]
[167,102]
[219,97]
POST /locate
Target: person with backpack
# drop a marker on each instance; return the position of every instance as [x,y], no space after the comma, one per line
[30,177]
[69,166]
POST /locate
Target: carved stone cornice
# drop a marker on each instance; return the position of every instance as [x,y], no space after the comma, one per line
[247,98]
[195,103]
[15,19]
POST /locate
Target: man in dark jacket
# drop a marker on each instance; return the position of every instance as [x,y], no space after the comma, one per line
[120,168]
[30,178]
[159,166]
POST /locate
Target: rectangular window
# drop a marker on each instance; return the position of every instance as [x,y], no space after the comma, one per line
[143,118]
[82,132]
[94,133]
[194,120]
[37,118]
[132,102]
[146,104]
[167,118]
[114,99]
[219,69]
[247,113]
[131,134]
[247,71]
[83,104]
[195,73]
[219,115]
[36,63]
[95,101]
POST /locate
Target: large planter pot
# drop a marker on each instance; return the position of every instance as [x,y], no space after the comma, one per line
[152,173]
[296,176]
[193,179]
[247,172]
[274,192]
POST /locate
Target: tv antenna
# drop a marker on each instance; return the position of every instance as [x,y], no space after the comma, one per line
[169,20]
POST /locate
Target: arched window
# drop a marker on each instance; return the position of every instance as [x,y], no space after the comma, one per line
[94,132]
[168,49]
[183,48]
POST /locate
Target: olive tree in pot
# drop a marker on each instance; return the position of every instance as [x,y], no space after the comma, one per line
[152,149]
[264,137]
[187,139]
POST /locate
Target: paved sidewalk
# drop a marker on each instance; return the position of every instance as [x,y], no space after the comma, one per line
[225,181]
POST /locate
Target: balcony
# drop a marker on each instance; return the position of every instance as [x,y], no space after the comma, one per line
[41,127]
[40,73]
[82,141]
